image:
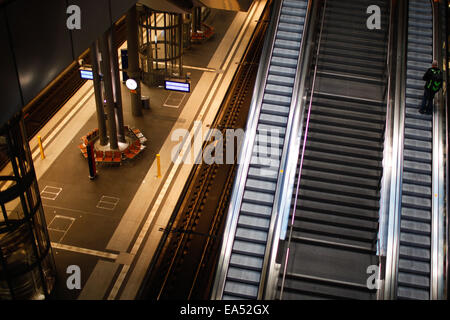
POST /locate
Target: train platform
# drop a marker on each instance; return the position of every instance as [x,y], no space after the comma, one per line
[110,226]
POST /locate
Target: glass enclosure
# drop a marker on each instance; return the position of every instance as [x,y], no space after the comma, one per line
[27,269]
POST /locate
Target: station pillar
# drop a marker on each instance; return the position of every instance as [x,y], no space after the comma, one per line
[27,267]
[116,85]
[133,61]
[109,93]
[98,95]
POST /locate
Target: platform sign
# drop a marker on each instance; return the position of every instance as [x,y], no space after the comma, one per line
[86,74]
[177,86]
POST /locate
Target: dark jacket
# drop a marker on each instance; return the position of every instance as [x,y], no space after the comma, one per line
[429,75]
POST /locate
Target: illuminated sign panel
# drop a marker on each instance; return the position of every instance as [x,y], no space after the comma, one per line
[177,86]
[87,74]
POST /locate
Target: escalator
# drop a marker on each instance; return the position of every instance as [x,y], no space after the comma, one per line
[333,236]
[414,261]
[249,218]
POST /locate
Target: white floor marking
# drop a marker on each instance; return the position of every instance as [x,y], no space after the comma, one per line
[96,253]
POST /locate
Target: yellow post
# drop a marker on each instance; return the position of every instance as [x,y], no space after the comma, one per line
[41,148]
[158,163]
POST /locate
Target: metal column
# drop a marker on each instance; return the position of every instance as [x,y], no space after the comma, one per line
[133,61]
[109,96]
[98,95]
[116,85]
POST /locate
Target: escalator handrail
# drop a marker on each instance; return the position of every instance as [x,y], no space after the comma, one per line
[387,179]
[245,154]
[393,211]
[285,263]
[288,163]
[438,232]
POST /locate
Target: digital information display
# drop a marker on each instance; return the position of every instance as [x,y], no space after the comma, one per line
[87,74]
[177,86]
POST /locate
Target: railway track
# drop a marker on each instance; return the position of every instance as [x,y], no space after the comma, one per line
[186,258]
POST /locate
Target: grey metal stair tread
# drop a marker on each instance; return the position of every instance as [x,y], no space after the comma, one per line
[287,53]
[411,293]
[250,247]
[350,131]
[416,166]
[421,123]
[258,198]
[249,275]
[345,180]
[270,129]
[413,252]
[261,186]
[336,219]
[420,156]
[415,240]
[282,71]
[418,134]
[258,222]
[413,266]
[346,260]
[416,202]
[264,152]
[267,174]
[421,179]
[355,33]
[336,186]
[416,214]
[292,19]
[295,4]
[245,261]
[340,66]
[351,151]
[256,209]
[346,160]
[269,141]
[349,117]
[413,280]
[415,227]
[288,10]
[319,206]
[416,190]
[355,88]
[350,76]
[277,99]
[345,200]
[349,99]
[275,109]
[337,233]
[262,161]
[248,233]
[280,80]
[289,35]
[323,291]
[240,288]
[354,46]
[355,55]
[344,170]
[273,119]
[278,90]
[354,141]
[287,44]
